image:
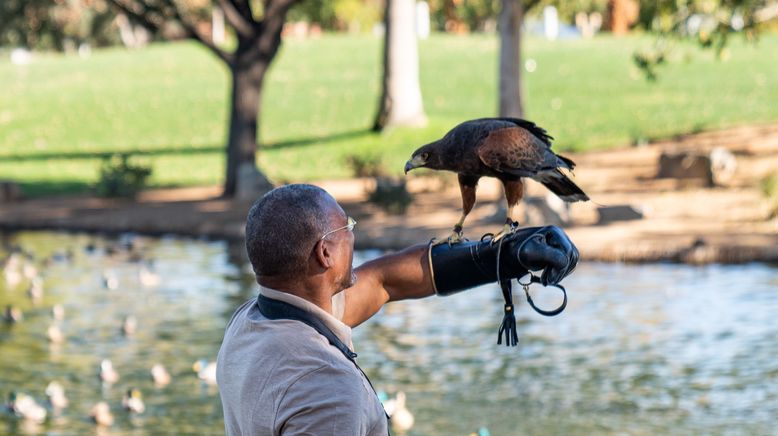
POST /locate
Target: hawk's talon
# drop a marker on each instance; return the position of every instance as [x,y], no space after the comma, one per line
[454,238]
[509,227]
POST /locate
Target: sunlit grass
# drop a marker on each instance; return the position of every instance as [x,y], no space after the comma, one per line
[321,97]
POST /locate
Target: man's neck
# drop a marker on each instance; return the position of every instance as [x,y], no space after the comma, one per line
[311,292]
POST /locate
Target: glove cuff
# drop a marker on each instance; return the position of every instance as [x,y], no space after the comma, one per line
[464,265]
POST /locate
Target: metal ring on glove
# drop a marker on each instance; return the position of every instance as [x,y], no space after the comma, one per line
[553,312]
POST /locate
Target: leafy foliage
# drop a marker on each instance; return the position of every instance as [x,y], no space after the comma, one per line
[710,23]
[453,15]
[316,11]
[568,8]
[648,61]
[120,178]
[356,15]
[56,25]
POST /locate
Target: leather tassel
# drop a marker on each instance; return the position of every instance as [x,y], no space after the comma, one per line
[508,326]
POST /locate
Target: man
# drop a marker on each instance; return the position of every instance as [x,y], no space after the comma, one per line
[286,365]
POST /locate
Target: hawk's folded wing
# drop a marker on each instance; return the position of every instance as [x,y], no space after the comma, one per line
[515,151]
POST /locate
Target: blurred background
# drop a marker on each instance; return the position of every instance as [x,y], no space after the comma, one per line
[135,134]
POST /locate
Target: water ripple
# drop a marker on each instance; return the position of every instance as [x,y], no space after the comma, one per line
[641,349]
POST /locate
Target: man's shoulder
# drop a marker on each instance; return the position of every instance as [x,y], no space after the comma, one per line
[281,339]
[239,312]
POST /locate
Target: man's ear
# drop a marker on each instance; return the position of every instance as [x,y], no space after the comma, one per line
[323,255]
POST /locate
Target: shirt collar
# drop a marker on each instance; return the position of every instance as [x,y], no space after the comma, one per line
[341,330]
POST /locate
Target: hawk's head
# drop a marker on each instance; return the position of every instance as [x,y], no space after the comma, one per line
[427,156]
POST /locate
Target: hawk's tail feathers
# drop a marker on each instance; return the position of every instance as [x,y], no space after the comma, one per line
[562,186]
[568,162]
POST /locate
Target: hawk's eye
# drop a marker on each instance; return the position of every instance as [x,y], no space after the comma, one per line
[425,155]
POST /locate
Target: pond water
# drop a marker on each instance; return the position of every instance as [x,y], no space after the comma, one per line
[641,349]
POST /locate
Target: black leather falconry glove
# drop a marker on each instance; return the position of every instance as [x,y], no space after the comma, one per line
[457,267]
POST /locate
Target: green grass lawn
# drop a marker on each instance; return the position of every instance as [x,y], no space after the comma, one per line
[320,98]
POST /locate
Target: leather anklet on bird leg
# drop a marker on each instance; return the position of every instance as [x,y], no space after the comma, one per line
[509,227]
[457,235]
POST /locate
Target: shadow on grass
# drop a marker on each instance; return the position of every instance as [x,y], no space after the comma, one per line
[67,188]
[54,188]
[301,142]
[108,154]
[181,150]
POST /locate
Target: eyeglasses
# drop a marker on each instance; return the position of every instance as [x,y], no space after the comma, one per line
[351,223]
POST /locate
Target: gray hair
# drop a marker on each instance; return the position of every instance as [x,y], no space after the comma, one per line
[282,228]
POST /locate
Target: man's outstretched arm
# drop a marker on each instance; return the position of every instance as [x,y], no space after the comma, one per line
[397,276]
[421,270]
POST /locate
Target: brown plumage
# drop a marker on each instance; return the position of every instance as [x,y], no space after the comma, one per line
[505,148]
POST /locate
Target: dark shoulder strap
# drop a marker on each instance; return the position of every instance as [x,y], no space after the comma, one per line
[275,309]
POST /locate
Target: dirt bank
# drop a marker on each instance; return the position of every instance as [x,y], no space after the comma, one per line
[682,221]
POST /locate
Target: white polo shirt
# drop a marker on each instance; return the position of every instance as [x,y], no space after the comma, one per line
[282,377]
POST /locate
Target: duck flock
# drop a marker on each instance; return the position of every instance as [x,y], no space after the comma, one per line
[21,272]
[32,297]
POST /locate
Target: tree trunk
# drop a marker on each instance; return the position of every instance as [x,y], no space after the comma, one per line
[258,43]
[511,18]
[248,73]
[400,103]
[622,14]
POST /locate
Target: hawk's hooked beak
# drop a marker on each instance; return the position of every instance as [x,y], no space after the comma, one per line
[414,162]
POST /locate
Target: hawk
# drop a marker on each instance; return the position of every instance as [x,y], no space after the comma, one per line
[505,148]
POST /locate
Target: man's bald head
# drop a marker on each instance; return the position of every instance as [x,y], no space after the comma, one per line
[283,227]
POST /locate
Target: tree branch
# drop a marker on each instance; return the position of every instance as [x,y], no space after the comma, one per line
[145,18]
[242,24]
[193,33]
[244,6]
[141,18]
[277,9]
